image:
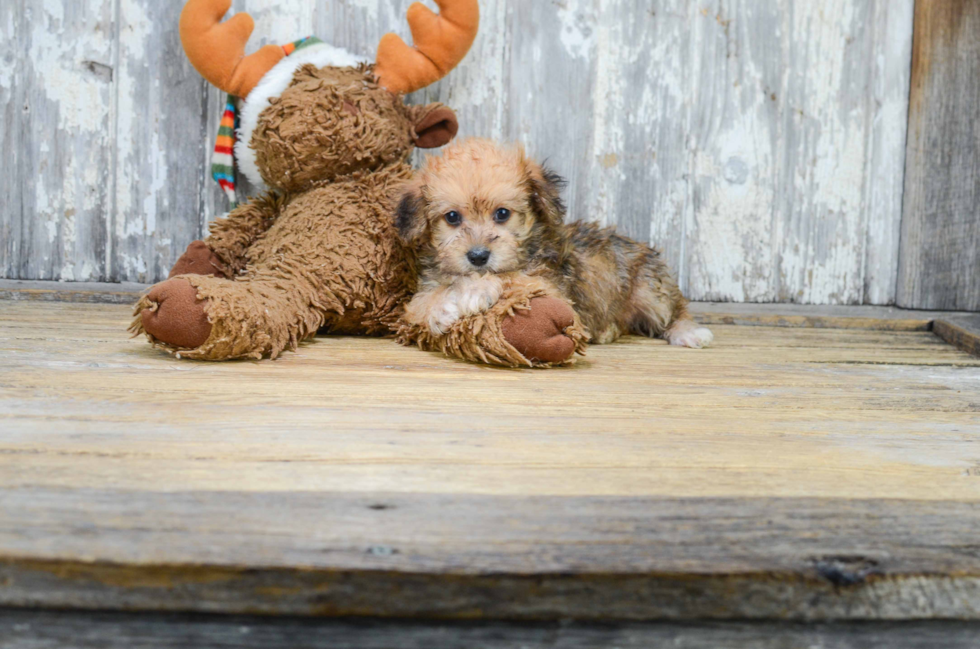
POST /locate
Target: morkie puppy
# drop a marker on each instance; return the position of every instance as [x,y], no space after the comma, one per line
[481,215]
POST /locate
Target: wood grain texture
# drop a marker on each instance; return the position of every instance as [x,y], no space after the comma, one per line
[464,556]
[36,629]
[91,292]
[961,331]
[161,141]
[815,543]
[898,433]
[806,474]
[940,255]
[752,141]
[56,90]
[783,148]
[885,177]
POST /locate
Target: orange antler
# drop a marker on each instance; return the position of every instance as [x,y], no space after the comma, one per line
[217,49]
[441,42]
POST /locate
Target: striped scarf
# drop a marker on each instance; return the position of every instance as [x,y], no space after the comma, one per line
[223,159]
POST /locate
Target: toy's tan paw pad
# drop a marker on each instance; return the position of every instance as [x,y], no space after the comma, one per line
[177,317]
[198,259]
[538,332]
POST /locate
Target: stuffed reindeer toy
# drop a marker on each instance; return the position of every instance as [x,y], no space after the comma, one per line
[326,137]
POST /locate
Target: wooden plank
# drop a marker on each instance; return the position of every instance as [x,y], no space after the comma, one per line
[880,414]
[161,141]
[91,292]
[494,557]
[637,167]
[963,332]
[489,557]
[885,175]
[882,318]
[783,143]
[733,133]
[816,320]
[25,629]
[940,251]
[884,413]
[803,474]
[56,89]
[550,92]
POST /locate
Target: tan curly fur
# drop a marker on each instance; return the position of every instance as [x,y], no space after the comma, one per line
[482,213]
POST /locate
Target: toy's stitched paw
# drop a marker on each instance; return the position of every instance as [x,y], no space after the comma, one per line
[177,317]
[538,332]
[198,259]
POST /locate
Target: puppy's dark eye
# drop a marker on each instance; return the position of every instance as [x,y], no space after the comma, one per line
[501,215]
[454,218]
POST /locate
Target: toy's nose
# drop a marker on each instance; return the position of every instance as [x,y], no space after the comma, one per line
[478,256]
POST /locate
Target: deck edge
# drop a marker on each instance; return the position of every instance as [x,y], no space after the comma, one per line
[962,332]
[331,593]
[798,559]
[27,628]
[75,292]
[878,318]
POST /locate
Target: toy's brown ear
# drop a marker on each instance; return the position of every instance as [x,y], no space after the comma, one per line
[546,188]
[410,214]
[435,125]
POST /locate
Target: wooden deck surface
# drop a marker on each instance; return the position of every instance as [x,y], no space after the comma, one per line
[784,473]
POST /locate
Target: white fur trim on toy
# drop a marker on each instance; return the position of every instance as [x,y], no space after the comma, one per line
[273,84]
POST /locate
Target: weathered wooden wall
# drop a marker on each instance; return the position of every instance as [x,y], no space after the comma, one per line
[761,143]
[940,254]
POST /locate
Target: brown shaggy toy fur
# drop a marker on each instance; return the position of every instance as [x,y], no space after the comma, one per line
[330,123]
[485,219]
[319,249]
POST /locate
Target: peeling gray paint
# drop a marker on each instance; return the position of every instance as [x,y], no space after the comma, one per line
[54,138]
[759,143]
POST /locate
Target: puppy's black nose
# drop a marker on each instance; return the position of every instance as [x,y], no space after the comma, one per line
[478,256]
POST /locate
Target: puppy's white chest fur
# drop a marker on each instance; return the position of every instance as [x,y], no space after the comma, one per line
[442,305]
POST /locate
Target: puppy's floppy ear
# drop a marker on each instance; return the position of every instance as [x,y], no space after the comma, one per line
[409,214]
[546,188]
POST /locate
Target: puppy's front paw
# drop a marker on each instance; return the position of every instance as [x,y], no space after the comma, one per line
[687,334]
[539,332]
[476,296]
[442,316]
[465,297]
